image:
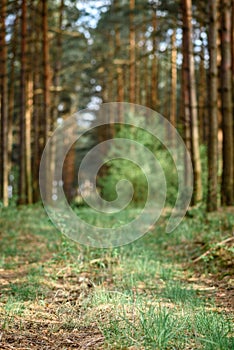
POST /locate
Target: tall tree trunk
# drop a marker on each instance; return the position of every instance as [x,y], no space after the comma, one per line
[36,131]
[143,66]
[69,173]
[154,62]
[4,105]
[46,91]
[187,31]
[202,100]
[138,83]
[226,92]
[11,101]
[46,70]
[173,104]
[37,107]
[232,48]
[213,110]
[28,153]
[145,82]
[56,87]
[185,102]
[120,84]
[57,66]
[119,70]
[22,175]
[132,53]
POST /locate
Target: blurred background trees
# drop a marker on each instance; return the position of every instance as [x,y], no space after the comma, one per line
[57,57]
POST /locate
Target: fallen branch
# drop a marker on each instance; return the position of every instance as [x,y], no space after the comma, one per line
[211,249]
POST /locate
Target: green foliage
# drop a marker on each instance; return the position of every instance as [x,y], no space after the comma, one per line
[148,327]
[212,330]
[119,169]
[26,291]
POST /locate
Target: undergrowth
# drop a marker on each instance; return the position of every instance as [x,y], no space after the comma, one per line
[147,295]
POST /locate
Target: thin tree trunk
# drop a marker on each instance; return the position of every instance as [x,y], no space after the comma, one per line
[187,22]
[22,176]
[132,53]
[37,107]
[11,101]
[46,91]
[145,97]
[46,70]
[173,104]
[185,103]
[202,100]
[28,117]
[36,139]
[138,83]
[120,92]
[154,62]
[226,92]
[56,83]
[143,67]
[69,174]
[120,83]
[4,105]
[212,197]
[232,49]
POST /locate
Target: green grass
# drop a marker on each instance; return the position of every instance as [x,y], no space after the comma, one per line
[137,295]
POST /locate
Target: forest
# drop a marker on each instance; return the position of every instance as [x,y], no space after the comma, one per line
[116,132]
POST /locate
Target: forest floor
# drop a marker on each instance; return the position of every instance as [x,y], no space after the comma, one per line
[164,291]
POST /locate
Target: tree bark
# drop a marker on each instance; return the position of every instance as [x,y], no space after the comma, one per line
[202,100]
[22,175]
[132,53]
[153,104]
[28,153]
[173,104]
[37,133]
[46,92]
[188,51]
[11,98]
[56,97]
[4,105]
[36,130]
[226,93]
[232,49]
[46,71]
[212,196]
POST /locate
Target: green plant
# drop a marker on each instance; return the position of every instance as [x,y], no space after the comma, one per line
[213,330]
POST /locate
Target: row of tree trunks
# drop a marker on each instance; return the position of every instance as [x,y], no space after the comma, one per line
[128,80]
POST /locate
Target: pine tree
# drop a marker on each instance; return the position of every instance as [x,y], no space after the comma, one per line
[213,110]
[191,86]
[226,93]
[4,106]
